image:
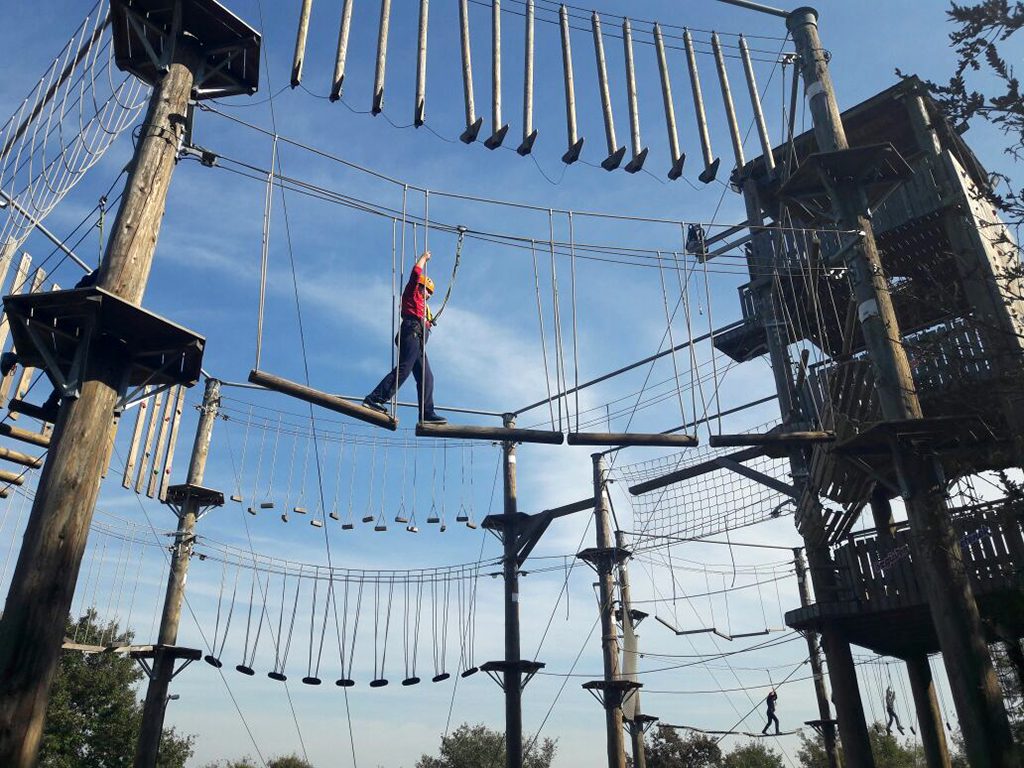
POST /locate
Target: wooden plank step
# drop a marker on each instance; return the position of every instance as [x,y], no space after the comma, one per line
[656,440]
[490,433]
[17,457]
[25,435]
[323,399]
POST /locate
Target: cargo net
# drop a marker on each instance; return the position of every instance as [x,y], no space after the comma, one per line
[713,502]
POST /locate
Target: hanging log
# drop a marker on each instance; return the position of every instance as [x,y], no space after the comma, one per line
[12,478]
[324,400]
[339,63]
[161,445]
[529,134]
[24,435]
[615,152]
[419,114]
[473,123]
[710,161]
[382,56]
[133,447]
[490,433]
[730,108]
[300,43]
[755,103]
[172,441]
[639,154]
[678,158]
[110,444]
[147,445]
[498,128]
[19,284]
[575,144]
[632,438]
[18,457]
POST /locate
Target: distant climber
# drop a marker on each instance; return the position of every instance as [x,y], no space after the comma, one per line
[770,701]
[890,710]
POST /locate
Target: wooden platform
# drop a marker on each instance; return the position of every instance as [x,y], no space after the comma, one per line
[880,603]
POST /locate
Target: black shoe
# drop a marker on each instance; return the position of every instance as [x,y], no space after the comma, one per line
[7,362]
[51,408]
[374,404]
[434,418]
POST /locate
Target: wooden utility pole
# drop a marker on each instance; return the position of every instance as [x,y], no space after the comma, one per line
[929,718]
[34,621]
[828,730]
[936,553]
[513,674]
[853,729]
[635,724]
[193,502]
[603,558]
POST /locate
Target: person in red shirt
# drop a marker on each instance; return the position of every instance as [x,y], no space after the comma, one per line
[412,353]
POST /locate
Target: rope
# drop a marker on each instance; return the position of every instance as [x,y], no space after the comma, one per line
[264,252]
[455,271]
[543,336]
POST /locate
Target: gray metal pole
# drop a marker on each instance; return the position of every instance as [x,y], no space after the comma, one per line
[163,666]
[814,650]
[636,731]
[937,556]
[609,635]
[755,104]
[513,652]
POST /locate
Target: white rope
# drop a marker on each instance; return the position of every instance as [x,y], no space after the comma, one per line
[264,252]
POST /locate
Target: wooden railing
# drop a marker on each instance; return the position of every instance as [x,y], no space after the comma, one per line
[878,572]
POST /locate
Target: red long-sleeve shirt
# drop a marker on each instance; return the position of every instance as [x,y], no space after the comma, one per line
[413,300]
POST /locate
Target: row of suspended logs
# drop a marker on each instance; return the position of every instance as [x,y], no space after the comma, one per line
[499,128]
[268,607]
[350,477]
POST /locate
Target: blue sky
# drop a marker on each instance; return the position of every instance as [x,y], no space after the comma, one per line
[486,353]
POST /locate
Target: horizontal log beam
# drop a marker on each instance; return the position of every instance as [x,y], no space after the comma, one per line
[20,458]
[711,465]
[771,438]
[26,436]
[623,439]
[324,400]
[490,433]
[12,478]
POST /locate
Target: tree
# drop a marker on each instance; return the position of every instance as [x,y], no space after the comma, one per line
[477,746]
[887,749]
[754,754]
[94,713]
[667,749]
[286,761]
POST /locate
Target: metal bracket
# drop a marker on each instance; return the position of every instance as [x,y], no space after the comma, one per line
[70,386]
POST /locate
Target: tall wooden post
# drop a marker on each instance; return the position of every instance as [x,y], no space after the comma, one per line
[184,540]
[513,652]
[929,718]
[636,731]
[937,556]
[828,731]
[34,621]
[853,729]
[609,636]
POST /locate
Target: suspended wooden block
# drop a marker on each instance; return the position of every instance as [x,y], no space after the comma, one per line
[245,670]
[498,129]
[280,677]
[339,62]
[324,400]
[300,42]
[345,682]
[411,681]
[755,103]
[172,442]
[133,449]
[440,678]
[24,379]
[629,438]
[311,680]
[419,110]
[382,56]
[19,285]
[156,474]
[473,123]
[615,152]
[111,437]
[639,153]
[711,163]
[147,444]
[529,133]
[730,108]
[379,683]
[490,433]
[575,144]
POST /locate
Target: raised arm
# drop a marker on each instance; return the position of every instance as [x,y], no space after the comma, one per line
[421,262]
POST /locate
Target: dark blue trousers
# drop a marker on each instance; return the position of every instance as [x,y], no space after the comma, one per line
[412,358]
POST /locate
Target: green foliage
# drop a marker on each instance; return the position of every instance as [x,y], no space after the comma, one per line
[477,746]
[285,761]
[667,749]
[889,752]
[754,754]
[94,713]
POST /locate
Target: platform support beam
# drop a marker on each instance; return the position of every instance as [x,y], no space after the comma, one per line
[828,730]
[163,665]
[853,730]
[609,636]
[929,717]
[35,616]
[954,611]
